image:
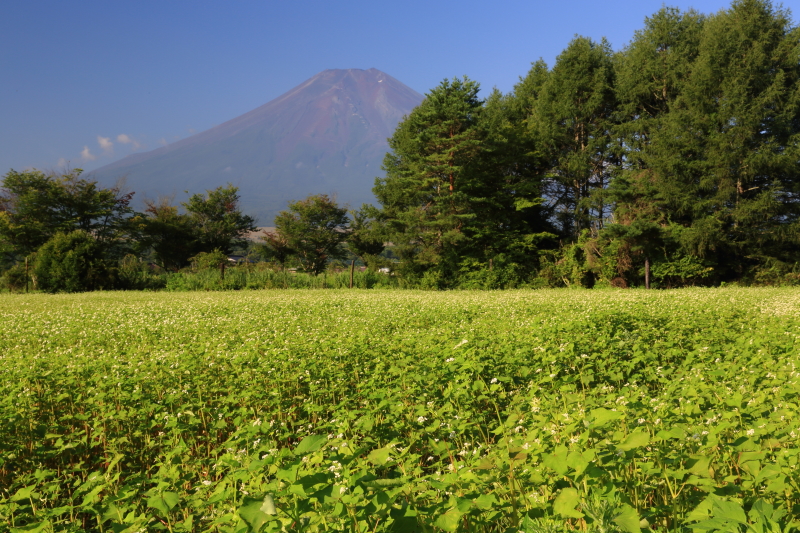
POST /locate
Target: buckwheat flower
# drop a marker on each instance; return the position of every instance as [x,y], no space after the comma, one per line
[751,432]
[449,359]
[206,482]
[494,380]
[421,419]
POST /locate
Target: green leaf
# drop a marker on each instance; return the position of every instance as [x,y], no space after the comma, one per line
[379,456]
[310,444]
[32,528]
[628,519]
[257,512]
[566,502]
[728,510]
[485,501]
[450,520]
[384,483]
[600,417]
[164,502]
[557,460]
[700,465]
[637,439]
[23,493]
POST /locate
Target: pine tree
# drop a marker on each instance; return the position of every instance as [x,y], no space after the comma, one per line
[426,193]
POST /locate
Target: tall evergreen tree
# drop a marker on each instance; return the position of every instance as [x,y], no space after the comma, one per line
[430,176]
[727,156]
[573,116]
[651,73]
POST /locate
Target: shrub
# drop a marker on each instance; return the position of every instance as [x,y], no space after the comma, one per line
[14,278]
[72,262]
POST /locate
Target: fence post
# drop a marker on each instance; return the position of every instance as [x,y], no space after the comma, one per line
[26,275]
[352,268]
[222,271]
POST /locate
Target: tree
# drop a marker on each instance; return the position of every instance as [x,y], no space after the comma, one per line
[573,117]
[35,206]
[314,228]
[171,235]
[429,177]
[218,220]
[712,135]
[366,236]
[275,247]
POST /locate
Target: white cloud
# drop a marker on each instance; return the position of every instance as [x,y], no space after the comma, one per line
[125,139]
[87,155]
[106,144]
[62,163]
[162,141]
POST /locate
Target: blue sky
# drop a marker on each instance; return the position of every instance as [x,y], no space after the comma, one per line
[88,82]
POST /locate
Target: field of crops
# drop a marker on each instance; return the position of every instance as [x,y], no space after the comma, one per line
[401,411]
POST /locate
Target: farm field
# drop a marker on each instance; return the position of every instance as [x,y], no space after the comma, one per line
[623,410]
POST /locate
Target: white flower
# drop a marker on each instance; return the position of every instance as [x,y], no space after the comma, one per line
[421,419]
[449,359]
[494,380]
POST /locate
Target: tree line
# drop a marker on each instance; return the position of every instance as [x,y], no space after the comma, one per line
[671,162]
[674,161]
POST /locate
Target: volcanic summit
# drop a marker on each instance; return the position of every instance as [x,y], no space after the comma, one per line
[327,135]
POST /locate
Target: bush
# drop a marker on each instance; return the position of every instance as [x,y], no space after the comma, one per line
[14,278]
[133,274]
[72,262]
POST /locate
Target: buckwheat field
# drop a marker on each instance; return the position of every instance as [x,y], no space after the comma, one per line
[401,411]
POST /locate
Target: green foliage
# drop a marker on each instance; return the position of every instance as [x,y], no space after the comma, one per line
[573,116]
[171,235]
[209,260]
[134,274]
[367,236]
[314,230]
[427,194]
[15,278]
[275,247]
[401,411]
[35,206]
[217,219]
[72,262]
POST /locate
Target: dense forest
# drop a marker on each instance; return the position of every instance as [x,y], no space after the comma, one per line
[674,161]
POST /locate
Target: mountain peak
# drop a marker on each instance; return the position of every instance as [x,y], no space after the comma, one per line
[326,135]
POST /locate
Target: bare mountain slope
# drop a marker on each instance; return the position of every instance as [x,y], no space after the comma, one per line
[327,135]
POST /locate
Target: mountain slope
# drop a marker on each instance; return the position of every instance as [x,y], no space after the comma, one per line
[327,135]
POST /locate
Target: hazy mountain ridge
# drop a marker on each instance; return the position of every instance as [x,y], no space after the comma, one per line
[327,135]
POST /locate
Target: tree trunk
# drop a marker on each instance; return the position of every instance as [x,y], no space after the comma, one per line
[352,269]
[646,272]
